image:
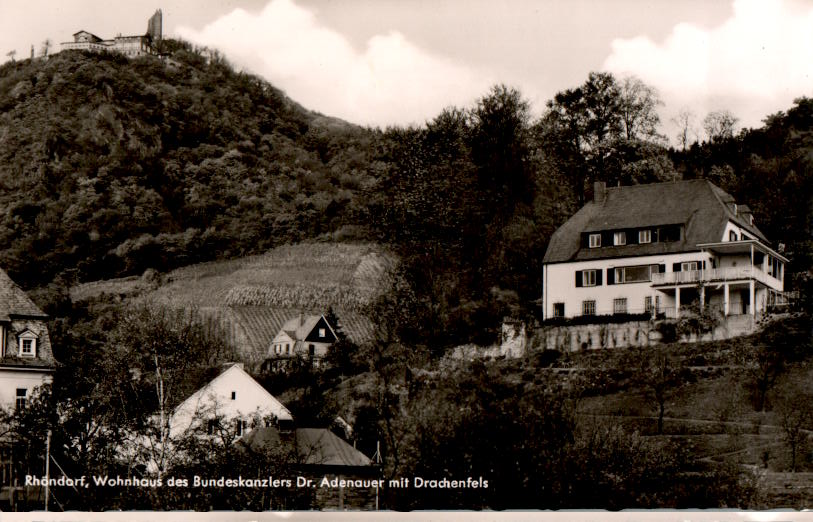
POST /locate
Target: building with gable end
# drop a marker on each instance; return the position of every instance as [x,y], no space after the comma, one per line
[26,358]
[232,400]
[305,336]
[656,248]
[26,362]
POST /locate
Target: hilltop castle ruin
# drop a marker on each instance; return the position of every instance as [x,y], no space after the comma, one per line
[130,46]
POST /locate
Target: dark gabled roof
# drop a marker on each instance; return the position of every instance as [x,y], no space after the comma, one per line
[701,207]
[316,446]
[14,302]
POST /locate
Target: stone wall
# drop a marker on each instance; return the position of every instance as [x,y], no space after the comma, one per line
[630,334]
[595,336]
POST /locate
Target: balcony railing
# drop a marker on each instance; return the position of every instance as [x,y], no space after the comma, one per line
[731,274]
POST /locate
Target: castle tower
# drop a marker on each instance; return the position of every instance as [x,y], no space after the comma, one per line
[155,26]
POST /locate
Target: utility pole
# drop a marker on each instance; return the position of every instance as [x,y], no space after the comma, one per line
[47,468]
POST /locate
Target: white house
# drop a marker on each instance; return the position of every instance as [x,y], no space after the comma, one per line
[26,361]
[307,336]
[232,400]
[26,358]
[656,248]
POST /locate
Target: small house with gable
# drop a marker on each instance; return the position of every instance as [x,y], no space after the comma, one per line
[306,337]
[233,401]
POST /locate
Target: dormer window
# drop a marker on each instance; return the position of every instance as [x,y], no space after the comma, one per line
[732,236]
[27,344]
[595,240]
[620,238]
[644,236]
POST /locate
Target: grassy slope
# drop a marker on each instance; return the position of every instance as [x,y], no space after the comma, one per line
[252,297]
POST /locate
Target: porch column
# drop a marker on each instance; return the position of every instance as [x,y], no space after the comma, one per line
[725,299]
[702,298]
[677,302]
[753,301]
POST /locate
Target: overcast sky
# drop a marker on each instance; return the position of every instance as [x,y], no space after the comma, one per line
[383,62]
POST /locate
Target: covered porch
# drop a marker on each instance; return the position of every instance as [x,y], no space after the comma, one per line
[744,279]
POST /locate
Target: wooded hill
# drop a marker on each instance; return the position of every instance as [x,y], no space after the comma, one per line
[111,166]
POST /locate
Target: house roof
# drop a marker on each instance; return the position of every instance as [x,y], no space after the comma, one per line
[22,315]
[96,38]
[701,207]
[14,302]
[299,327]
[192,402]
[317,446]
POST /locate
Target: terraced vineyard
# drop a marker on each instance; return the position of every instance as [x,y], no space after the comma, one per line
[250,298]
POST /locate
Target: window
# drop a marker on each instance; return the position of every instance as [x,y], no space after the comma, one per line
[212,426]
[234,395]
[311,350]
[620,305]
[321,332]
[558,309]
[620,238]
[595,240]
[590,277]
[287,348]
[648,304]
[690,266]
[635,274]
[732,235]
[588,308]
[21,398]
[644,236]
[27,344]
[239,427]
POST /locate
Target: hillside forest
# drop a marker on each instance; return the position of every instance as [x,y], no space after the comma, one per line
[113,167]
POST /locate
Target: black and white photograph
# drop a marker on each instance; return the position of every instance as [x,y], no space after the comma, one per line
[456,258]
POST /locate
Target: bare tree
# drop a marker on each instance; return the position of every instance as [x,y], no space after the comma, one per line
[660,378]
[639,110]
[685,122]
[793,407]
[11,54]
[719,125]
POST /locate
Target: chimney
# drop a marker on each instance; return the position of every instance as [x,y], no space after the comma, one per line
[599,191]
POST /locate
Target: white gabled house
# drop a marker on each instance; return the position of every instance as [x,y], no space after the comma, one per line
[26,358]
[305,336]
[656,248]
[26,363]
[232,398]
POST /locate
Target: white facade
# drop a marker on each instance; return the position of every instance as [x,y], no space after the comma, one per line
[558,281]
[16,383]
[231,397]
[737,275]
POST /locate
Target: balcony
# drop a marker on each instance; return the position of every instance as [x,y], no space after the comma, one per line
[716,275]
